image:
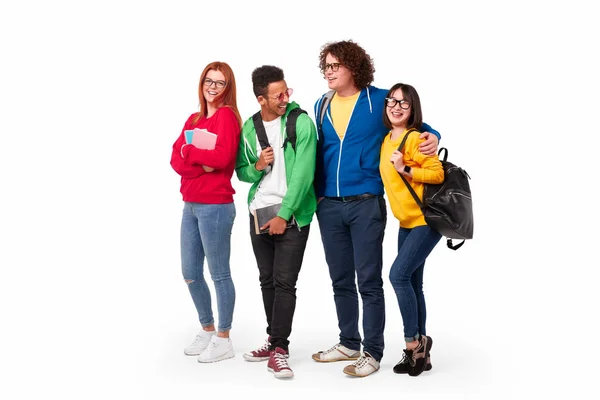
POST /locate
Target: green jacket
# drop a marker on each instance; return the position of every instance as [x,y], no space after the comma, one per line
[299,200]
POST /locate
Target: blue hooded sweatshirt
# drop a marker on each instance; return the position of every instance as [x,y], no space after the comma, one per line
[350,166]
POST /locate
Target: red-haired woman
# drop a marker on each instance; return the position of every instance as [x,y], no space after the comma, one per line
[209,211]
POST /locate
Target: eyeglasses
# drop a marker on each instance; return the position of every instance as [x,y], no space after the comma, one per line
[334,67]
[281,96]
[218,84]
[391,103]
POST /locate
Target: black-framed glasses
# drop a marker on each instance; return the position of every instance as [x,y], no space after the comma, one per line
[218,84]
[282,95]
[391,103]
[334,67]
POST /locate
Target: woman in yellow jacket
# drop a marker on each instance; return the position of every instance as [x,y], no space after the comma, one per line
[416,240]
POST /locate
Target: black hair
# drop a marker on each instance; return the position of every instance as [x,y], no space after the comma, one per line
[409,94]
[263,76]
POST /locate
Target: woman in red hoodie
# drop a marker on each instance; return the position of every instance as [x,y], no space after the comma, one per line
[209,211]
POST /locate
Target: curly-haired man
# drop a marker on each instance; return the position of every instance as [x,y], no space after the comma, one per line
[351,209]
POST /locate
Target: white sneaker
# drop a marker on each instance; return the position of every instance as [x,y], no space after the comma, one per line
[336,353]
[362,367]
[199,344]
[217,350]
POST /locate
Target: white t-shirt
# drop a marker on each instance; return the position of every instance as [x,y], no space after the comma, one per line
[273,186]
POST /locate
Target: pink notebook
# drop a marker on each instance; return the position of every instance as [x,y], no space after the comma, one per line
[201,138]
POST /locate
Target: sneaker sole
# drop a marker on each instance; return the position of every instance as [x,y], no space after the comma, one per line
[255,359]
[428,367]
[225,356]
[191,354]
[281,375]
[357,375]
[314,357]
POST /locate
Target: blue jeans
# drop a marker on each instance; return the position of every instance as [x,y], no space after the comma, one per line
[206,232]
[352,235]
[406,277]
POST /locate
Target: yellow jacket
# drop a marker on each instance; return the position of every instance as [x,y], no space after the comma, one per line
[425,169]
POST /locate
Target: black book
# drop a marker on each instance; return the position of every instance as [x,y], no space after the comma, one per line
[264,215]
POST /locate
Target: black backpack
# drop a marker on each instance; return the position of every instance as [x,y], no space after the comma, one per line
[447,207]
[290,129]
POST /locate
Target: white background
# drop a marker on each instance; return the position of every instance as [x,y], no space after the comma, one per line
[93,94]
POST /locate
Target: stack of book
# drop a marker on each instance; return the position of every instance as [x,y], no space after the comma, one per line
[201,138]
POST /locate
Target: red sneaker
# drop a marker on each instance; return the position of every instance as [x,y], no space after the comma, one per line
[278,364]
[260,354]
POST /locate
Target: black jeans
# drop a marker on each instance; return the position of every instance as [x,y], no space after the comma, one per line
[279,258]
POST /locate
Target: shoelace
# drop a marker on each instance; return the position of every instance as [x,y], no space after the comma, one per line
[281,360]
[211,345]
[362,361]
[264,347]
[197,340]
[334,348]
[407,358]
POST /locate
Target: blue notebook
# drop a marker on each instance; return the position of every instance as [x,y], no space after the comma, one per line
[189,135]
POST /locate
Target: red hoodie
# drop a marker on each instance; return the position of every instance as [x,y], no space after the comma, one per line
[197,185]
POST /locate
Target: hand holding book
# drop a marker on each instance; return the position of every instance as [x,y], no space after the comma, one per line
[276,226]
[202,139]
[267,221]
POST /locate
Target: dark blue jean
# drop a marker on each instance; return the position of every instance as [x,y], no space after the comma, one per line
[352,235]
[406,277]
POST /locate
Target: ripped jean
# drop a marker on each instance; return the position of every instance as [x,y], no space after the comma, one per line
[206,233]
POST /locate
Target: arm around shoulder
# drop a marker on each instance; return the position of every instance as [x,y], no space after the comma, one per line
[427,128]
[429,168]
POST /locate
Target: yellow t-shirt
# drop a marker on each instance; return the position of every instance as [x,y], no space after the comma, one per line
[341,110]
[425,169]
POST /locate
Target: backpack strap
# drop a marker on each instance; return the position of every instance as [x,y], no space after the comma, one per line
[323,110]
[445,150]
[410,189]
[454,246]
[261,134]
[290,127]
[406,137]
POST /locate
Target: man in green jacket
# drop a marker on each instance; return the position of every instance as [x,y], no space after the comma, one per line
[281,170]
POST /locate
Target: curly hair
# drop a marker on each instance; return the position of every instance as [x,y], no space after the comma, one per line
[263,76]
[353,57]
